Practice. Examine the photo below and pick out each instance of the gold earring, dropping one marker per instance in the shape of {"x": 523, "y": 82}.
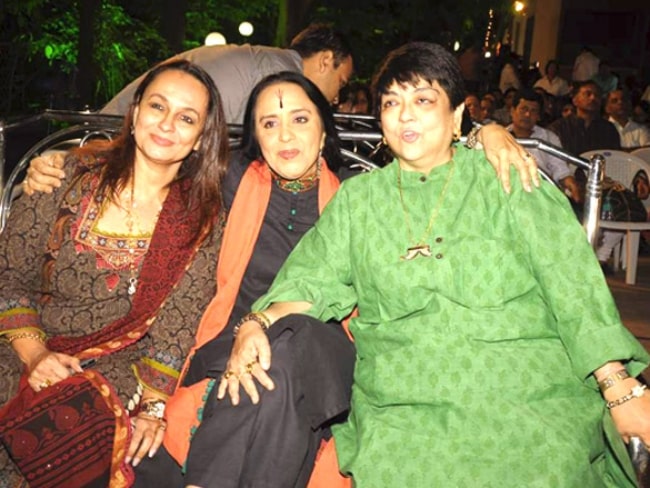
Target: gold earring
{"x": 455, "y": 136}
{"x": 384, "y": 141}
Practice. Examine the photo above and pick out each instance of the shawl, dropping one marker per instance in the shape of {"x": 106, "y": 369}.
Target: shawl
{"x": 41, "y": 428}
{"x": 240, "y": 235}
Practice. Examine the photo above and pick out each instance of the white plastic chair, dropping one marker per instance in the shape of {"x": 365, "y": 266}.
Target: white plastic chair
{"x": 622, "y": 166}
{"x": 642, "y": 153}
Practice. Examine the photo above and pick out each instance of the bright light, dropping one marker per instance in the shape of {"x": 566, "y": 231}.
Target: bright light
{"x": 245, "y": 29}
{"x": 519, "y": 6}
{"x": 215, "y": 39}
{"x": 456, "y": 46}
{"x": 488, "y": 54}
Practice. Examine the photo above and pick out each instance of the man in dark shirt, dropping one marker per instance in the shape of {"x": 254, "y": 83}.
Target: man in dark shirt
{"x": 587, "y": 130}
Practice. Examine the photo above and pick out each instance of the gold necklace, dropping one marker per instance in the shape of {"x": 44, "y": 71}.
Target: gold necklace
{"x": 132, "y": 242}
{"x": 301, "y": 184}
{"x": 421, "y": 248}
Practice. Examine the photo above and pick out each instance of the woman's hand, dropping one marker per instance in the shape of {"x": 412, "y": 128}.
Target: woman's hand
{"x": 632, "y": 418}
{"x": 148, "y": 434}
{"x": 250, "y": 358}
{"x": 47, "y": 368}
{"x": 44, "y": 173}
{"x": 502, "y": 151}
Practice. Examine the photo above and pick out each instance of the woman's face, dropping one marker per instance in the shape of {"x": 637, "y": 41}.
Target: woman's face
{"x": 168, "y": 121}
{"x": 418, "y": 124}
{"x": 289, "y": 130}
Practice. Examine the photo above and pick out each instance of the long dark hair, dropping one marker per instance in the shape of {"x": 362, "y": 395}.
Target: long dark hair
{"x": 205, "y": 167}
{"x": 331, "y": 148}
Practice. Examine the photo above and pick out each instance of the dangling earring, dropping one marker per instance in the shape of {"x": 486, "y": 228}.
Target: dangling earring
{"x": 384, "y": 141}
{"x": 132, "y": 130}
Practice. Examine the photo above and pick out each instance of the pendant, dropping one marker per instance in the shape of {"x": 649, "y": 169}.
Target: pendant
{"x": 413, "y": 252}
{"x": 132, "y": 283}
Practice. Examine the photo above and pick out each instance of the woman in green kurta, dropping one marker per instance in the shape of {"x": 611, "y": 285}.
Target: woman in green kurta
{"x": 485, "y": 326}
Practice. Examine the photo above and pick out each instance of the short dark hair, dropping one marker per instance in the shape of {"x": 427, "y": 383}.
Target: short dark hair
{"x": 578, "y": 85}
{"x": 549, "y": 63}
{"x": 331, "y": 149}
{"x": 321, "y": 37}
{"x": 420, "y": 60}
{"x": 529, "y": 95}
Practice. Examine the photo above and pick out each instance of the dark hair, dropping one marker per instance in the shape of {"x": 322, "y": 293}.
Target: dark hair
{"x": 640, "y": 176}
{"x": 549, "y": 63}
{"x": 331, "y": 149}
{"x": 419, "y": 60}
{"x": 321, "y": 37}
{"x": 350, "y": 93}
{"x": 578, "y": 85}
{"x": 530, "y": 95}
{"x": 205, "y": 167}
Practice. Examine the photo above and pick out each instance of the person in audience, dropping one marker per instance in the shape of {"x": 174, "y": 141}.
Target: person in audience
{"x": 354, "y": 99}
{"x": 605, "y": 79}
{"x": 585, "y": 65}
{"x": 632, "y": 134}
{"x": 526, "y": 110}
{"x": 502, "y": 115}
{"x": 471, "y": 346}
{"x": 551, "y": 82}
{"x": 487, "y": 109}
{"x": 103, "y": 284}
{"x": 586, "y": 130}
{"x": 473, "y": 106}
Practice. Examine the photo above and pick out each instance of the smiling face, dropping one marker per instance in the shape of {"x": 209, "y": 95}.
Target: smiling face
{"x": 418, "y": 123}
{"x": 289, "y": 130}
{"x": 169, "y": 120}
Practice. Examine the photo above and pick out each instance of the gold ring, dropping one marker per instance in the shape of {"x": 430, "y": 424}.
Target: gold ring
{"x": 163, "y": 426}
{"x": 44, "y": 384}
{"x": 250, "y": 366}
{"x": 228, "y": 374}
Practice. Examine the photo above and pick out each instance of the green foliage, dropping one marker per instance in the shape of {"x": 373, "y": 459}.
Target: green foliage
{"x": 205, "y": 16}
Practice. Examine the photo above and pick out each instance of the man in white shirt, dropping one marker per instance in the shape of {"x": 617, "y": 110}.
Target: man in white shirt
{"x": 585, "y": 65}
{"x": 551, "y": 82}
{"x": 617, "y": 107}
{"x": 526, "y": 111}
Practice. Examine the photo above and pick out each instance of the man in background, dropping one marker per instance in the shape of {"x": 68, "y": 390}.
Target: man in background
{"x": 319, "y": 52}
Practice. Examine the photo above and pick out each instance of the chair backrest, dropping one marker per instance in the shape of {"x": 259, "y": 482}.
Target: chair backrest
{"x": 642, "y": 153}
{"x": 622, "y": 167}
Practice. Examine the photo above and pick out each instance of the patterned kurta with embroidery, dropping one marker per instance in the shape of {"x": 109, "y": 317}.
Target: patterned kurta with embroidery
{"x": 85, "y": 294}
{"x": 473, "y": 365}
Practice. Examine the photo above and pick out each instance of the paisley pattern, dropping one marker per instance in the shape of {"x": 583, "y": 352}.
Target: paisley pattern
{"x": 77, "y": 300}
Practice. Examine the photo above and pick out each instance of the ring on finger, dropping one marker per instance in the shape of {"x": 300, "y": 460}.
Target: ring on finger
{"x": 162, "y": 426}
{"x": 228, "y": 374}
{"x": 249, "y": 367}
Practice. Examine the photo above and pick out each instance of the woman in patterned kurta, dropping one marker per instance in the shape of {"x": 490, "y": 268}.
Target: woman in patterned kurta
{"x": 479, "y": 340}
{"x": 73, "y": 290}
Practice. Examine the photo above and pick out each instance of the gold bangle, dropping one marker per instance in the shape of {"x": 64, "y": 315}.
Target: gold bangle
{"x": 259, "y": 317}
{"x": 26, "y": 335}
{"x": 154, "y": 409}
{"x": 612, "y": 379}
{"x": 636, "y": 392}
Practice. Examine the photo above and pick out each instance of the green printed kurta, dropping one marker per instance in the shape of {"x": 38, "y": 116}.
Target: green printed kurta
{"x": 473, "y": 365}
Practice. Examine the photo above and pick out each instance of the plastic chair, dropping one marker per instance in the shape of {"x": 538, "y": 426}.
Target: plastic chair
{"x": 622, "y": 167}
{"x": 642, "y": 153}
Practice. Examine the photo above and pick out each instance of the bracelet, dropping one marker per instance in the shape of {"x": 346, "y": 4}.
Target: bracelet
{"x": 612, "y": 379}
{"x": 153, "y": 408}
{"x": 26, "y": 335}
{"x": 472, "y": 138}
{"x": 636, "y": 392}
{"x": 259, "y": 317}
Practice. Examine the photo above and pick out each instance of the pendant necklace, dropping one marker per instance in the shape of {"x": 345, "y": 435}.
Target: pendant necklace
{"x": 421, "y": 248}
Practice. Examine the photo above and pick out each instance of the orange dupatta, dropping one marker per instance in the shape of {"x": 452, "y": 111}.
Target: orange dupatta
{"x": 240, "y": 235}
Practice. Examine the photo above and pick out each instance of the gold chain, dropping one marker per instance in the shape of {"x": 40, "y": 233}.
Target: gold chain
{"x": 436, "y": 210}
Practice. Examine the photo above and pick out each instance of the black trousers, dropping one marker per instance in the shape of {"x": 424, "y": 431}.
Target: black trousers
{"x": 272, "y": 444}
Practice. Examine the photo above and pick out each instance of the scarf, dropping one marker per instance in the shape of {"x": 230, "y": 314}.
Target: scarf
{"x": 239, "y": 239}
